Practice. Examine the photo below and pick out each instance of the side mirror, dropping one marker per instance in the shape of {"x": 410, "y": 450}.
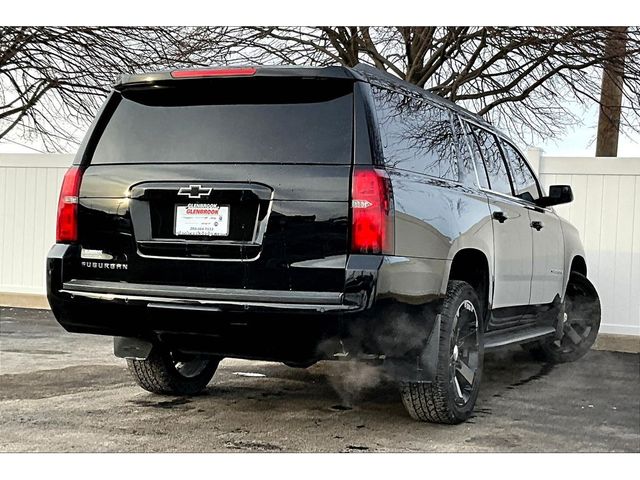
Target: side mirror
{"x": 558, "y": 194}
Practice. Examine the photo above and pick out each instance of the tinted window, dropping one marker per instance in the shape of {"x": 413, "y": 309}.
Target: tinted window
{"x": 416, "y": 135}
{"x": 234, "y": 121}
{"x": 482, "y": 171}
{"x": 496, "y": 168}
{"x": 523, "y": 180}
{"x": 465, "y": 156}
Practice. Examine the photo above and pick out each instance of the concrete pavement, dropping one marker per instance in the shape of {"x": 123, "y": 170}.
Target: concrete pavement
{"x": 64, "y": 392}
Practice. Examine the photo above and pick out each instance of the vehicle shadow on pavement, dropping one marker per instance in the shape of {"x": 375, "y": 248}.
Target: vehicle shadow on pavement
{"x": 343, "y": 386}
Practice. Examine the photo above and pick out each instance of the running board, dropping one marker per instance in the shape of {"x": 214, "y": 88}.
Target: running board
{"x": 500, "y": 339}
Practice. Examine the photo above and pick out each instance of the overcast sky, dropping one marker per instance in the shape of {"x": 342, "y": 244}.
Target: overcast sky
{"x": 581, "y": 141}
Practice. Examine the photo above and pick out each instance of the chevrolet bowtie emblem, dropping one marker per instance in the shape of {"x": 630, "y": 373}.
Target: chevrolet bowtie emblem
{"x": 194, "y": 191}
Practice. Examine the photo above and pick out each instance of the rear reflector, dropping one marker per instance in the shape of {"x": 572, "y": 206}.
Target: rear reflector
{"x": 214, "y": 72}
{"x": 67, "y": 224}
{"x": 371, "y": 211}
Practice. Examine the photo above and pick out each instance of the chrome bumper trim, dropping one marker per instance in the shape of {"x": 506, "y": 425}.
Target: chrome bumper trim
{"x": 169, "y": 302}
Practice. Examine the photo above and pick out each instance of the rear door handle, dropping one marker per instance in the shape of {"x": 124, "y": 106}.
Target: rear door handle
{"x": 537, "y": 224}
{"x": 499, "y": 216}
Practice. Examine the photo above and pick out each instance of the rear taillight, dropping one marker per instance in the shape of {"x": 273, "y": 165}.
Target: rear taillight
{"x": 371, "y": 211}
{"x": 67, "y": 225}
{"x": 214, "y": 72}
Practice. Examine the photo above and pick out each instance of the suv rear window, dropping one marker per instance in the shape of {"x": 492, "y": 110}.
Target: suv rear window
{"x": 230, "y": 121}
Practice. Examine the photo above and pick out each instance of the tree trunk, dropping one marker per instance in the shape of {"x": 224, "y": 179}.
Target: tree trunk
{"x": 611, "y": 94}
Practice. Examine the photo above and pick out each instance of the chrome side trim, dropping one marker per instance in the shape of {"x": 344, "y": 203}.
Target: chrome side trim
{"x": 199, "y": 259}
{"x": 515, "y": 200}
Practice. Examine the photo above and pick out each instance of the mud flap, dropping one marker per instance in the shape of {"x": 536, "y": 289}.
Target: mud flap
{"x": 422, "y": 367}
{"x": 133, "y": 348}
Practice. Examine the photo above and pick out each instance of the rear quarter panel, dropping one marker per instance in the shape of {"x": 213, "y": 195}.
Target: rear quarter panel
{"x": 435, "y": 219}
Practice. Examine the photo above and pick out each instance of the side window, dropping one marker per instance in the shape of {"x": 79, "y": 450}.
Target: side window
{"x": 416, "y": 135}
{"x": 464, "y": 156}
{"x": 523, "y": 180}
{"x": 496, "y": 168}
{"x": 476, "y": 155}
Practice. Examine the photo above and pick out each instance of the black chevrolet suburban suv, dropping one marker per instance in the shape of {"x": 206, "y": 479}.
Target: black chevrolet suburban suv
{"x": 298, "y": 214}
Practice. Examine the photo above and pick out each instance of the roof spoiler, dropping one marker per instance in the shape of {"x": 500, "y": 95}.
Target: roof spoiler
{"x": 180, "y": 75}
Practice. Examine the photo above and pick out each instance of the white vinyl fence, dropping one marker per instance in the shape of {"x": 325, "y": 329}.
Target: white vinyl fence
{"x": 29, "y": 189}
{"x": 606, "y": 210}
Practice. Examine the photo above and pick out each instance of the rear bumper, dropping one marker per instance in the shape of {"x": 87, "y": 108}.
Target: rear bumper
{"x": 211, "y": 299}
{"x": 381, "y": 312}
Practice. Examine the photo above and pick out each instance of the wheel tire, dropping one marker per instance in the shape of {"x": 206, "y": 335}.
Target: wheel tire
{"x": 161, "y": 373}
{"x": 449, "y": 398}
{"x": 581, "y": 324}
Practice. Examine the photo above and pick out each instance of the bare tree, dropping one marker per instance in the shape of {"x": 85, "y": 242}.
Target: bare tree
{"x": 526, "y": 79}
{"x": 52, "y": 79}
{"x": 611, "y": 93}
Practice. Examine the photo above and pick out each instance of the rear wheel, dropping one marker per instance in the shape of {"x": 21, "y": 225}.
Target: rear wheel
{"x": 580, "y": 327}
{"x": 168, "y": 373}
{"x": 450, "y": 398}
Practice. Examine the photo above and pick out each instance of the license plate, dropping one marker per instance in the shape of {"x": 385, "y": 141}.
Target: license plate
{"x": 202, "y": 219}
